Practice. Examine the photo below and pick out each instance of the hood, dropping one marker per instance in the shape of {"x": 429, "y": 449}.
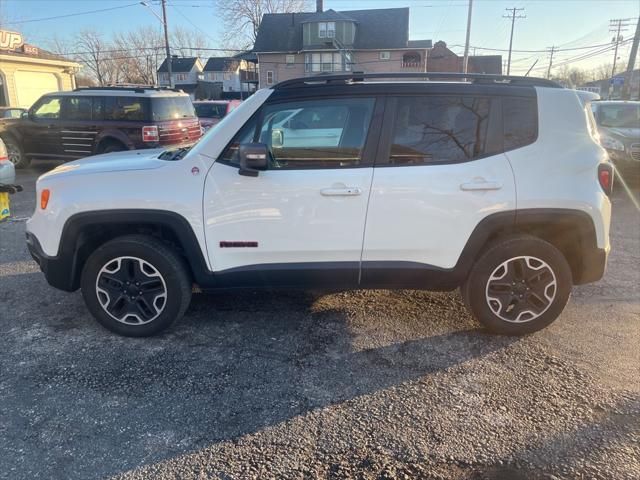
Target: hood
{"x": 111, "y": 162}
{"x": 622, "y": 132}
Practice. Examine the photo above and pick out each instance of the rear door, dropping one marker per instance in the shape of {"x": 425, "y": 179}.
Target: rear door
{"x": 79, "y": 129}
{"x": 440, "y": 171}
{"x": 301, "y": 221}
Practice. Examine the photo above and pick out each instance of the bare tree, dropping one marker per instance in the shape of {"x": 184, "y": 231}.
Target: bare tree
{"x": 142, "y": 53}
{"x": 187, "y": 43}
{"x": 96, "y": 55}
{"x": 242, "y": 18}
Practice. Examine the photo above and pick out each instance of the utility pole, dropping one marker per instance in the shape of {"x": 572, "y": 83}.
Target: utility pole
{"x": 166, "y": 41}
{"x": 551, "y": 52}
{"x": 617, "y": 26}
{"x": 465, "y": 61}
{"x": 626, "y": 88}
{"x": 163, "y": 20}
{"x": 512, "y": 15}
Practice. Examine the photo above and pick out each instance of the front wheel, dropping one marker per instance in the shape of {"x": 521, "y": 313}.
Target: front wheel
{"x": 15, "y": 153}
{"x": 519, "y": 285}
{"x": 136, "y": 286}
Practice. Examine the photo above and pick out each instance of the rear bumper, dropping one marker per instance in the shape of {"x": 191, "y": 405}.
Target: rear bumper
{"x": 594, "y": 264}
{"x": 58, "y": 272}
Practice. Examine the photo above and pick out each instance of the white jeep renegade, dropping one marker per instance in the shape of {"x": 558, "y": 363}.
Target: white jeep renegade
{"x": 497, "y": 185}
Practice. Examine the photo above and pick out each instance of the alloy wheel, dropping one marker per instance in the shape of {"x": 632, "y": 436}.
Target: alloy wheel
{"x": 131, "y": 290}
{"x": 521, "y": 289}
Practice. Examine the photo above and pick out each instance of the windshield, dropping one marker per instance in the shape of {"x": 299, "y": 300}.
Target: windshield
{"x": 172, "y": 108}
{"x": 624, "y": 115}
{"x": 211, "y": 110}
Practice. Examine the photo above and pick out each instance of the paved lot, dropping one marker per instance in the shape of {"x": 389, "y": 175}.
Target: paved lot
{"x": 366, "y": 384}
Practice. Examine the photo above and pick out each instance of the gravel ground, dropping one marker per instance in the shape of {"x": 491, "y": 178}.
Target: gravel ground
{"x": 364, "y": 384}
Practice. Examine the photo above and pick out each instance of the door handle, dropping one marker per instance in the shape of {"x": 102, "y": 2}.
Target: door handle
{"x": 481, "y": 185}
{"x": 341, "y": 192}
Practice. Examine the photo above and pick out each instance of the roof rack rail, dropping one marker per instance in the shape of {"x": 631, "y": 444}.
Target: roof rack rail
{"x": 356, "y": 77}
{"x": 135, "y": 88}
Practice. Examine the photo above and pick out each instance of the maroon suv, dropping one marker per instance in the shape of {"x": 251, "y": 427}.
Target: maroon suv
{"x": 87, "y": 121}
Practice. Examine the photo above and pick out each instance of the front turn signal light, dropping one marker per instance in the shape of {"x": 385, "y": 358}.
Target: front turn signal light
{"x": 44, "y": 198}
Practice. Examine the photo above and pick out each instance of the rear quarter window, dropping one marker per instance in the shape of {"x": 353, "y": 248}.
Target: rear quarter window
{"x": 172, "y": 108}
{"x": 132, "y": 109}
{"x": 520, "y": 117}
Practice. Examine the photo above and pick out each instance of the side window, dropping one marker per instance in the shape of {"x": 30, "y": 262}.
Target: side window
{"x": 520, "y": 117}
{"x": 49, "y": 108}
{"x": 439, "y": 129}
{"x": 124, "y": 108}
{"x": 327, "y": 133}
{"x": 78, "y": 108}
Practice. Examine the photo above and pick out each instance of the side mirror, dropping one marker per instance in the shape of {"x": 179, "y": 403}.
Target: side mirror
{"x": 253, "y": 158}
{"x": 277, "y": 138}
{"x": 24, "y": 115}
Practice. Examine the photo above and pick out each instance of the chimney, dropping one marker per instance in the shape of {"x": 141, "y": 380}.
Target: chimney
{"x": 318, "y": 6}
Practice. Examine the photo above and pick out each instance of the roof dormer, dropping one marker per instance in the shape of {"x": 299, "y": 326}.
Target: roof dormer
{"x": 324, "y": 28}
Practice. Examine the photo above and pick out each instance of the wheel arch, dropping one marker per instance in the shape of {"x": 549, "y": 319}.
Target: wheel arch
{"x": 112, "y": 136}
{"x": 86, "y": 231}
{"x": 571, "y": 231}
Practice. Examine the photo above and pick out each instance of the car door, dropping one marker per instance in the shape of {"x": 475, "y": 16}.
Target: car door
{"x": 79, "y": 129}
{"x": 440, "y": 171}
{"x": 301, "y": 221}
{"x": 41, "y": 130}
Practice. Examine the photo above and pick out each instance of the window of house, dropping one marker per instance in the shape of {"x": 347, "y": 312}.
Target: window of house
{"x": 269, "y": 77}
{"x": 322, "y": 30}
{"x": 385, "y": 55}
{"x": 48, "y": 108}
{"x": 331, "y": 29}
{"x": 290, "y": 59}
{"x": 227, "y": 76}
{"x": 520, "y": 119}
{"x": 347, "y": 62}
{"x": 124, "y": 108}
{"x": 78, "y": 108}
{"x": 411, "y": 60}
{"x": 327, "y": 133}
{"x": 439, "y": 129}
{"x": 181, "y": 77}
{"x": 327, "y": 62}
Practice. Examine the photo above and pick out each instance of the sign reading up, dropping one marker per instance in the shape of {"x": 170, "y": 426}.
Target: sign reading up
{"x": 10, "y": 40}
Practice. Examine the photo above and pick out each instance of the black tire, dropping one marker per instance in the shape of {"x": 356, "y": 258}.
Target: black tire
{"x": 113, "y": 147}
{"x": 164, "y": 269}
{"x": 528, "y": 307}
{"x": 16, "y": 153}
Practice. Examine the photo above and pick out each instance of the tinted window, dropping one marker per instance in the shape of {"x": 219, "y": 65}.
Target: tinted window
{"x": 48, "y": 108}
{"x": 211, "y": 110}
{"x": 520, "y": 116}
{"x": 325, "y": 133}
{"x": 78, "y": 108}
{"x": 125, "y": 108}
{"x": 171, "y": 108}
{"x": 439, "y": 129}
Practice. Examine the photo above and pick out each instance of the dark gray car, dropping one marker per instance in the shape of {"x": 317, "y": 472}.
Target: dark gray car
{"x": 619, "y": 128}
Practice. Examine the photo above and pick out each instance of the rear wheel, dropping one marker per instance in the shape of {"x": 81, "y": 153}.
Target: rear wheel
{"x": 136, "y": 286}
{"x": 15, "y": 153}
{"x": 113, "y": 147}
{"x": 519, "y": 285}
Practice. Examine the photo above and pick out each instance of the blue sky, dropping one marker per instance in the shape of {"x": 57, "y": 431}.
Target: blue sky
{"x": 567, "y": 23}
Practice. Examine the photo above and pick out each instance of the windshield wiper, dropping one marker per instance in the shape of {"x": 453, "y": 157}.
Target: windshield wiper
{"x": 176, "y": 154}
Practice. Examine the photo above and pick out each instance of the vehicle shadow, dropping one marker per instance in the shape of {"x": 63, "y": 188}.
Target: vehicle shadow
{"x": 239, "y": 363}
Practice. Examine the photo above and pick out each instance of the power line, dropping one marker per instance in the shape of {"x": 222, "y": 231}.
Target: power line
{"x": 513, "y": 15}
{"x": 19, "y": 22}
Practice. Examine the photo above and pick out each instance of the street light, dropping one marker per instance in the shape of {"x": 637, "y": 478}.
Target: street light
{"x": 163, "y": 20}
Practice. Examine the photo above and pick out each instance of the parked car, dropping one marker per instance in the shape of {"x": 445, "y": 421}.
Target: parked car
{"x": 619, "y": 128}
{"x": 11, "y": 112}
{"x": 496, "y": 185}
{"x": 87, "y": 121}
{"x": 210, "y": 112}
{"x": 7, "y": 170}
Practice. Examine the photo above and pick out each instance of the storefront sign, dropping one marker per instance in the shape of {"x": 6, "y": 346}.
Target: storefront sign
{"x": 10, "y": 40}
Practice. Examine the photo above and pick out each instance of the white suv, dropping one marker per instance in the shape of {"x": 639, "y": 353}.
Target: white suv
{"x": 497, "y": 185}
